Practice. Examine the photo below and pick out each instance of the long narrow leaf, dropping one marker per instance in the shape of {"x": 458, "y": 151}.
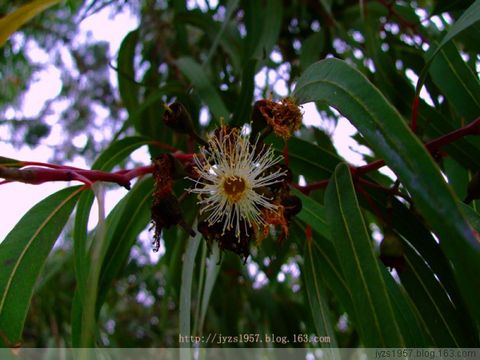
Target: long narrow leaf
{"x": 186, "y": 290}
{"x": 23, "y": 254}
{"x": 375, "y": 313}
{"x": 13, "y": 21}
{"x": 199, "y": 79}
{"x": 317, "y": 296}
{"x": 354, "y": 96}
{"x": 468, "y": 18}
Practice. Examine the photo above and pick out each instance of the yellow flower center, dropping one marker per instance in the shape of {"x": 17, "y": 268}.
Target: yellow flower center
{"x": 234, "y": 188}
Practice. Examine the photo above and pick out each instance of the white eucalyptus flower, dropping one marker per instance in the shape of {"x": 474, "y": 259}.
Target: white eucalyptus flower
{"x": 230, "y": 173}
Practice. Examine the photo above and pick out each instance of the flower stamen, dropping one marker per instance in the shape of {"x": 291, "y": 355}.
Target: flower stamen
{"x": 234, "y": 188}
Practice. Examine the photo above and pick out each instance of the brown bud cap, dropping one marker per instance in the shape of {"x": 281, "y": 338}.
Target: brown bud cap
{"x": 227, "y": 240}
{"x": 283, "y": 117}
{"x": 177, "y": 117}
{"x": 292, "y": 205}
{"x": 166, "y": 212}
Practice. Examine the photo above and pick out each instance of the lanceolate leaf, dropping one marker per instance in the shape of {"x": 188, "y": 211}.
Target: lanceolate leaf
{"x": 186, "y": 289}
{"x": 317, "y": 296}
{"x": 126, "y": 72}
{"x": 377, "y": 324}
{"x": 13, "y": 21}
{"x": 303, "y": 158}
{"x": 458, "y": 82}
{"x": 124, "y": 224}
{"x": 200, "y": 81}
{"x": 314, "y": 214}
{"x": 7, "y": 162}
{"x": 341, "y": 86}
{"x": 113, "y": 155}
{"x": 23, "y": 254}
{"x": 432, "y": 303}
{"x": 329, "y": 271}
{"x": 468, "y": 18}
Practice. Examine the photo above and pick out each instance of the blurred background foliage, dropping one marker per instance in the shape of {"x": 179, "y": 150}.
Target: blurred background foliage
{"x": 217, "y": 58}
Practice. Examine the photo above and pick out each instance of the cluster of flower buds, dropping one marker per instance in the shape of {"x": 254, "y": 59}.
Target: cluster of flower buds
{"x": 166, "y": 210}
{"x": 283, "y": 118}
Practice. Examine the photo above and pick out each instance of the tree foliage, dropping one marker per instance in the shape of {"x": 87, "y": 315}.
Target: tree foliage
{"x": 370, "y": 260}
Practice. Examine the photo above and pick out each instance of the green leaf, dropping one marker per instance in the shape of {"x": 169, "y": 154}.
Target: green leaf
{"x": 468, "y": 18}
{"x": 263, "y": 22}
{"x": 129, "y": 217}
{"x": 224, "y": 34}
{"x": 13, "y": 21}
{"x": 213, "y": 269}
{"x": 200, "y": 81}
{"x": 307, "y": 159}
{"x": 23, "y": 254}
{"x": 136, "y": 118}
{"x": 8, "y": 162}
{"x": 126, "y": 73}
{"x": 186, "y": 289}
{"x": 432, "y": 302}
{"x": 317, "y": 296}
{"x": 97, "y": 254}
{"x": 377, "y": 324}
{"x": 232, "y": 6}
{"x": 244, "y": 107}
{"x": 110, "y": 157}
{"x": 350, "y": 92}
{"x": 457, "y": 81}
{"x": 328, "y": 271}
{"x": 313, "y": 213}
{"x": 472, "y": 216}
{"x": 311, "y": 49}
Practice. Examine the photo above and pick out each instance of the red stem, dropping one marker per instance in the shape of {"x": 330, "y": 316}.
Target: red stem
{"x": 53, "y": 172}
{"x": 34, "y": 174}
{"x": 432, "y": 146}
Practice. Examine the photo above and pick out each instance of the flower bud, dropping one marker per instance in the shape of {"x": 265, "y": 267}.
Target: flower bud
{"x": 292, "y": 205}
{"x": 392, "y": 252}
{"x": 177, "y": 118}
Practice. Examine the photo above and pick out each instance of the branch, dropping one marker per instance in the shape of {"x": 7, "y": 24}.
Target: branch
{"x": 36, "y": 173}
{"x": 432, "y": 146}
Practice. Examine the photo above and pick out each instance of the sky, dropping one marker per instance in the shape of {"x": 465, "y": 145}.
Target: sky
{"x": 18, "y": 198}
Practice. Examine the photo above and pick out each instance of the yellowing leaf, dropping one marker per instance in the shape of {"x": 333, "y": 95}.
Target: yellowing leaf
{"x": 13, "y": 21}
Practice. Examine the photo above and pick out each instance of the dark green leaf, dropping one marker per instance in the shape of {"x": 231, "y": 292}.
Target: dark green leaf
{"x": 457, "y": 82}
{"x": 263, "y": 22}
{"x": 244, "y": 107}
{"x": 432, "y": 303}
{"x": 350, "y": 92}
{"x": 377, "y": 324}
{"x": 317, "y": 296}
{"x": 7, "y": 162}
{"x": 200, "y": 81}
{"x": 125, "y": 222}
{"x": 468, "y": 18}
{"x": 23, "y": 254}
{"x": 126, "y": 72}
{"x": 307, "y": 159}
{"x": 112, "y": 156}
